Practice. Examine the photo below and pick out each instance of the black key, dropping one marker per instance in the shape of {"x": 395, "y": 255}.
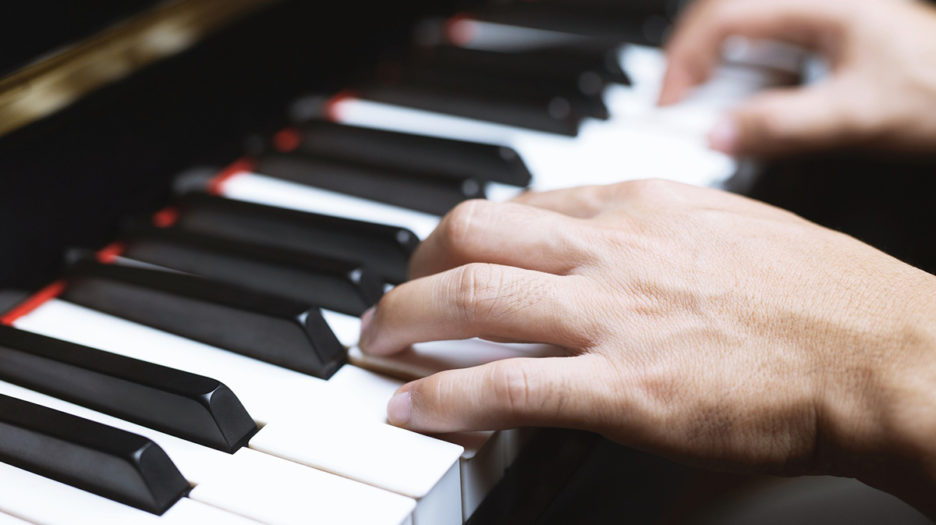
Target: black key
{"x": 617, "y": 25}
{"x": 520, "y": 67}
{"x": 505, "y": 87}
{"x": 426, "y": 193}
{"x": 616, "y": 8}
{"x": 328, "y": 282}
{"x": 384, "y": 249}
{"x": 418, "y": 153}
{"x": 274, "y": 329}
{"x": 185, "y": 405}
{"x": 106, "y": 461}
{"x": 552, "y": 115}
{"x": 587, "y": 67}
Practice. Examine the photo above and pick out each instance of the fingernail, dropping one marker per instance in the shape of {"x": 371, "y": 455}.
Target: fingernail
{"x": 399, "y": 409}
{"x": 366, "y": 322}
{"x": 724, "y": 136}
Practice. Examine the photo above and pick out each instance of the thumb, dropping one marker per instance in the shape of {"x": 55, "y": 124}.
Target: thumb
{"x": 786, "y": 121}
{"x": 554, "y": 391}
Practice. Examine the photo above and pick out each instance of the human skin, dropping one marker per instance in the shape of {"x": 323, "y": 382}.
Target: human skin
{"x": 700, "y": 325}
{"x": 880, "y": 92}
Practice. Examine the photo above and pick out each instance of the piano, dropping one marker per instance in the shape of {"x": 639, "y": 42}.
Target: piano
{"x": 201, "y": 198}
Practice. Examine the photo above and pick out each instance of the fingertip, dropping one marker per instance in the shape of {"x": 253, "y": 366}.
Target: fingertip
{"x": 673, "y": 88}
{"x": 368, "y": 340}
{"x": 400, "y": 408}
{"x": 724, "y": 136}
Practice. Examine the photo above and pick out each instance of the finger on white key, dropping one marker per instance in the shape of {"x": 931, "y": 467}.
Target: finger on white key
{"x": 477, "y": 231}
{"x": 476, "y": 300}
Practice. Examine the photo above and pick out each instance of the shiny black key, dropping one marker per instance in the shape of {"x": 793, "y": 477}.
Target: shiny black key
{"x": 516, "y": 66}
{"x": 447, "y": 158}
{"x": 588, "y": 67}
{"x": 421, "y": 192}
{"x": 106, "y": 461}
{"x": 615, "y": 8}
{"x": 185, "y": 405}
{"x": 618, "y": 25}
{"x": 270, "y": 328}
{"x": 502, "y": 86}
{"x": 328, "y": 282}
{"x": 385, "y": 249}
{"x": 553, "y": 115}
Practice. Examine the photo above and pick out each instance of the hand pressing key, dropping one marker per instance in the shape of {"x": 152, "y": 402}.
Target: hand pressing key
{"x": 700, "y": 325}
{"x": 880, "y": 93}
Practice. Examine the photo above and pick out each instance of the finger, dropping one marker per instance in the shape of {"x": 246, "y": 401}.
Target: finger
{"x": 503, "y": 233}
{"x": 481, "y": 300}
{"x": 784, "y": 121}
{"x": 695, "y": 47}
{"x": 582, "y": 202}
{"x": 561, "y": 391}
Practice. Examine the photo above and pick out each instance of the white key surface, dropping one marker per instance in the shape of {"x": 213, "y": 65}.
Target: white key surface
{"x": 352, "y": 399}
{"x": 6, "y": 519}
{"x": 254, "y": 484}
{"x": 257, "y": 188}
{"x": 42, "y": 500}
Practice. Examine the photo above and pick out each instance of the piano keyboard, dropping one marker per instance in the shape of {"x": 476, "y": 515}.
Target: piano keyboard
{"x": 203, "y": 368}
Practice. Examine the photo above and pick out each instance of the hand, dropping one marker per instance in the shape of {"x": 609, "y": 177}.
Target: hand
{"x": 699, "y": 324}
{"x": 881, "y": 91}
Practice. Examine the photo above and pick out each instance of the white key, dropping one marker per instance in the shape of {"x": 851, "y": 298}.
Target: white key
{"x": 406, "y": 461}
{"x": 257, "y": 188}
{"x": 352, "y": 398}
{"x": 303, "y": 495}
{"x": 42, "y": 500}
{"x": 425, "y": 359}
{"x": 603, "y": 153}
{"x": 491, "y": 36}
{"x": 6, "y": 519}
{"x": 253, "y": 484}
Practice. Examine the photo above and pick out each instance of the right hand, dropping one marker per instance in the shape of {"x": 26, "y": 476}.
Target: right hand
{"x": 881, "y": 91}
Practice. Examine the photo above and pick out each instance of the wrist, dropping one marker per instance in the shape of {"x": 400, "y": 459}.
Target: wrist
{"x": 881, "y": 413}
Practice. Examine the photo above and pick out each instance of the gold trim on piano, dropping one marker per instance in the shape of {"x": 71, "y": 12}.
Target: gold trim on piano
{"x": 59, "y": 79}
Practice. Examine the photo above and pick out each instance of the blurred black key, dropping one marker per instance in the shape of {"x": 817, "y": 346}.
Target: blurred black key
{"x": 327, "y": 282}
{"x": 502, "y": 86}
{"x": 185, "y": 405}
{"x": 616, "y": 8}
{"x": 447, "y": 158}
{"x": 421, "y": 192}
{"x": 106, "y": 461}
{"x": 274, "y": 329}
{"x": 621, "y": 25}
{"x": 586, "y": 73}
{"x": 552, "y": 115}
{"x": 385, "y": 249}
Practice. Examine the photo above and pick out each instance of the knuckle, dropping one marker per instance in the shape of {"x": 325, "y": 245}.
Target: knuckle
{"x": 649, "y": 190}
{"x": 512, "y": 385}
{"x": 477, "y": 287}
{"x": 460, "y": 228}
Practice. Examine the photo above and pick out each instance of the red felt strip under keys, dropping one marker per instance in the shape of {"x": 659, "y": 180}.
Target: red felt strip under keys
{"x": 33, "y": 302}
